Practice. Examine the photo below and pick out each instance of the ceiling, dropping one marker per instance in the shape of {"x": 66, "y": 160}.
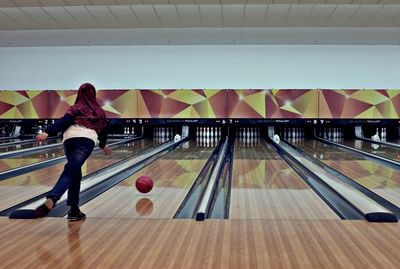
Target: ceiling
{"x": 198, "y": 15}
{"x": 39, "y": 3}
{"x": 64, "y": 22}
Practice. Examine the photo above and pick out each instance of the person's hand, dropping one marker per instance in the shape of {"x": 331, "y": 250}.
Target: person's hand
{"x": 42, "y": 137}
{"x": 107, "y": 150}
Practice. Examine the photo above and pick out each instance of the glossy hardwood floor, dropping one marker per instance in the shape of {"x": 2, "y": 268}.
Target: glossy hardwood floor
{"x": 161, "y": 243}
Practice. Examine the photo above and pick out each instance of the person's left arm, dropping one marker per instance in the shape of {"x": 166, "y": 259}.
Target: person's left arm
{"x": 103, "y": 140}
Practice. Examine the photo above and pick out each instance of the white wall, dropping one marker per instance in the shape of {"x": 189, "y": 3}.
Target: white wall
{"x": 216, "y": 66}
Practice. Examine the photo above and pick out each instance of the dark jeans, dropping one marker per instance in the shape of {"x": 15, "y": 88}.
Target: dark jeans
{"x": 77, "y": 150}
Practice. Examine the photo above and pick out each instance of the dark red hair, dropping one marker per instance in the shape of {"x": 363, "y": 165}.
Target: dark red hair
{"x": 86, "y": 111}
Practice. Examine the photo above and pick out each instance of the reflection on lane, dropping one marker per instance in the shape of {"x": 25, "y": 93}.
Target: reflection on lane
{"x": 383, "y": 180}
{"x": 377, "y": 149}
{"x": 22, "y": 160}
{"x": 35, "y": 157}
{"x": 173, "y": 175}
{"x": 18, "y": 189}
{"x": 29, "y": 145}
{"x": 266, "y": 187}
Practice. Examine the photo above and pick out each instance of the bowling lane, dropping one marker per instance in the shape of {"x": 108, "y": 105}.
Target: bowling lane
{"x": 381, "y": 179}
{"x": 266, "y": 187}
{"x": 18, "y": 189}
{"x": 35, "y": 157}
{"x": 377, "y": 149}
{"x": 29, "y": 145}
{"x": 173, "y": 175}
{"x": 22, "y": 160}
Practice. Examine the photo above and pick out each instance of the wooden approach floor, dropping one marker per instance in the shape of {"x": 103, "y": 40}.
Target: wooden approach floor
{"x": 161, "y": 243}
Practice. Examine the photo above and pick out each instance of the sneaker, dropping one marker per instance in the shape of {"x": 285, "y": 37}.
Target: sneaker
{"x": 74, "y": 216}
{"x": 43, "y": 210}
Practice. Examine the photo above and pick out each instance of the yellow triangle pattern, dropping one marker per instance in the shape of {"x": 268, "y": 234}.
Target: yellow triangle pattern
{"x": 257, "y": 102}
{"x": 159, "y": 92}
{"x": 33, "y": 94}
{"x": 13, "y": 113}
{"x": 13, "y": 98}
{"x": 370, "y": 97}
{"x": 187, "y": 97}
{"x": 210, "y": 93}
{"x": 185, "y": 114}
{"x": 307, "y": 104}
{"x": 389, "y": 111}
{"x": 275, "y": 91}
{"x": 290, "y": 108}
{"x": 342, "y": 92}
{"x": 109, "y": 108}
{"x": 29, "y": 110}
{"x": 70, "y": 100}
{"x": 371, "y": 113}
{"x": 210, "y": 112}
{"x": 393, "y": 93}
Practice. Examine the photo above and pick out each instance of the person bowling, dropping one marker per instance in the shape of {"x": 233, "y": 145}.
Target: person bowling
{"x": 82, "y": 125}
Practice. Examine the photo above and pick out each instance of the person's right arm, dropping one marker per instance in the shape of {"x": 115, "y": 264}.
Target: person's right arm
{"x": 59, "y": 126}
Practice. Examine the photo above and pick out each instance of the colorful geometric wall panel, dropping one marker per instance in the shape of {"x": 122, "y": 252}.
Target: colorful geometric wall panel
{"x": 246, "y": 104}
{"x": 60, "y": 101}
{"x": 292, "y": 104}
{"x": 359, "y": 104}
{"x": 24, "y": 104}
{"x": 184, "y": 104}
{"x": 116, "y": 103}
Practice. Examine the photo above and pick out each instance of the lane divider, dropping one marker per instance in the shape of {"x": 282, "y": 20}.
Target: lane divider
{"x": 371, "y": 210}
{"x": 211, "y": 184}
